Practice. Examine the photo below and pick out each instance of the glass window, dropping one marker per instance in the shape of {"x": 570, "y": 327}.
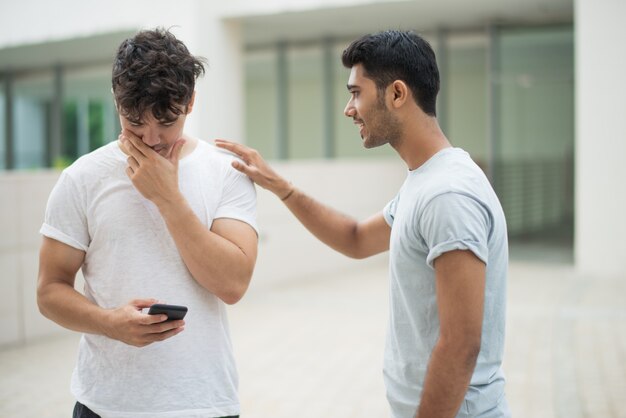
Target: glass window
{"x": 2, "y": 124}
{"x": 89, "y": 116}
{"x": 537, "y": 93}
{"x": 261, "y": 96}
{"x": 536, "y": 138}
{"x": 305, "y": 92}
{"x": 466, "y": 89}
{"x": 32, "y": 119}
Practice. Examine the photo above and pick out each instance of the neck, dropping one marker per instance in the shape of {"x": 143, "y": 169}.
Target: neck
{"x": 421, "y": 139}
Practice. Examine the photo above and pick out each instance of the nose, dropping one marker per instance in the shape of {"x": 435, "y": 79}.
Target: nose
{"x": 150, "y": 137}
{"x": 349, "y": 110}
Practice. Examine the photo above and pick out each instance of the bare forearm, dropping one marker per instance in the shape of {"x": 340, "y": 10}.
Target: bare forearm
{"x": 216, "y": 263}
{"x": 333, "y": 228}
{"x": 448, "y": 377}
{"x": 70, "y": 309}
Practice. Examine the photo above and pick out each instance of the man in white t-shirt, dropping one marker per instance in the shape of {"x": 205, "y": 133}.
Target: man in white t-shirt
{"x": 445, "y": 231}
{"x": 156, "y": 216}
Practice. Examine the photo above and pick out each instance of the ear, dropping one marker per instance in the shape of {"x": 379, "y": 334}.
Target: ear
{"x": 190, "y": 104}
{"x": 400, "y": 93}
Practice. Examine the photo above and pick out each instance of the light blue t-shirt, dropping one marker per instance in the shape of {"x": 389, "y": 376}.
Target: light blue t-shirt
{"x": 444, "y": 205}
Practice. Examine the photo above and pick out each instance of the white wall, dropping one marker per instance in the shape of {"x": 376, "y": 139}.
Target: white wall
{"x": 21, "y": 214}
{"x": 600, "y": 137}
{"x": 286, "y": 250}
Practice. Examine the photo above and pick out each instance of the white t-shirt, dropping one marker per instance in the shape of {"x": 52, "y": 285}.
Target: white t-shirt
{"x": 130, "y": 254}
{"x": 444, "y": 205}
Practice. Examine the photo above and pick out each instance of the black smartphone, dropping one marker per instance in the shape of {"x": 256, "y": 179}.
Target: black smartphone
{"x": 172, "y": 311}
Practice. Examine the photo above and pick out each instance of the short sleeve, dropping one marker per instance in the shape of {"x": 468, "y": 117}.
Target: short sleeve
{"x": 389, "y": 212}
{"x": 238, "y": 199}
{"x": 65, "y": 218}
{"x": 454, "y": 221}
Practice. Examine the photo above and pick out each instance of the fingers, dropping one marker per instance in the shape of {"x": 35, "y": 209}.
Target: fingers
{"x": 233, "y": 147}
{"x": 176, "y": 150}
{"x": 168, "y": 334}
{"x": 152, "y": 337}
{"x": 241, "y": 166}
{"x": 131, "y": 148}
{"x": 132, "y": 163}
{"x": 240, "y": 150}
{"x": 143, "y": 303}
{"x": 134, "y": 145}
{"x": 251, "y": 157}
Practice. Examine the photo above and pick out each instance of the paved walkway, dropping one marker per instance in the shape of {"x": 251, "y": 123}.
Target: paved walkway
{"x": 314, "y": 349}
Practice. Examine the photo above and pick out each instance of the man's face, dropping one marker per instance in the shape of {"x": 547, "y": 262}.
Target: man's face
{"x": 377, "y": 124}
{"x": 160, "y": 135}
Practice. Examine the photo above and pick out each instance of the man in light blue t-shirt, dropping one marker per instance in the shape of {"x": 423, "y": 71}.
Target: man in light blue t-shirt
{"x": 445, "y": 231}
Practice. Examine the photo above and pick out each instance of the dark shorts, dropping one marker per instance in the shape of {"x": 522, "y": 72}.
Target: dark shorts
{"x": 81, "y": 411}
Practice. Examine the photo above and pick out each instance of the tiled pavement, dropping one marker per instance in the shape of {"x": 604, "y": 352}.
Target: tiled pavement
{"x": 313, "y": 348}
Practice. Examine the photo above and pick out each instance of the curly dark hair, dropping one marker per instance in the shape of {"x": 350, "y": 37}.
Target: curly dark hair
{"x": 398, "y": 55}
{"x": 154, "y": 71}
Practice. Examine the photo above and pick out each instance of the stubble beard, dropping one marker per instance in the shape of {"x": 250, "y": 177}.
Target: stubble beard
{"x": 385, "y": 128}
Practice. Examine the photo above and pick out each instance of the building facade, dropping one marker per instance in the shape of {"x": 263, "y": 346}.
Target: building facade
{"x": 532, "y": 89}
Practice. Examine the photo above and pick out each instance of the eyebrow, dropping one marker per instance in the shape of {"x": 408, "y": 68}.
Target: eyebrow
{"x": 351, "y": 86}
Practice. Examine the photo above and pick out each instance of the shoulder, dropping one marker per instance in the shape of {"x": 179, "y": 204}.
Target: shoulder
{"x": 218, "y": 156}
{"x": 107, "y": 156}
{"x": 453, "y": 172}
{"x": 98, "y": 166}
{"x": 217, "y": 162}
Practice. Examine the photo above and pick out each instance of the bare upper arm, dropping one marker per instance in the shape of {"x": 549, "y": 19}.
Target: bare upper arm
{"x": 372, "y": 236}
{"x": 240, "y": 234}
{"x": 58, "y": 262}
{"x": 460, "y": 284}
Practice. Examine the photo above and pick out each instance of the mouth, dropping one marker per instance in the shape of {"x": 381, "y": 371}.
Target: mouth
{"x": 160, "y": 149}
{"x": 361, "y": 126}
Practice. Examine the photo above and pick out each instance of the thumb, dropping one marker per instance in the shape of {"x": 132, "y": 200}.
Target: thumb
{"x": 240, "y": 166}
{"x": 143, "y": 303}
{"x": 176, "y": 150}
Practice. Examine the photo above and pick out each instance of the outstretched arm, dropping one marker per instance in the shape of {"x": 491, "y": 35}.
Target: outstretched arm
{"x": 221, "y": 259}
{"x": 340, "y": 232}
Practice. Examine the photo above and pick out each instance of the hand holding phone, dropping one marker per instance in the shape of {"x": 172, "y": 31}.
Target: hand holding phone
{"x": 173, "y": 312}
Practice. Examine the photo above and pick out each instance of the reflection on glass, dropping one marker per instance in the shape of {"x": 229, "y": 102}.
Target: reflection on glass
{"x": 261, "y": 108}
{"x": 88, "y": 112}
{"x": 3, "y": 127}
{"x": 32, "y": 102}
{"x": 305, "y": 97}
{"x": 536, "y": 138}
{"x": 467, "y": 95}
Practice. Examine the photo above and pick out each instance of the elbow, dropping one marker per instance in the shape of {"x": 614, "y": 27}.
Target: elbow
{"x": 358, "y": 255}
{"x": 354, "y": 251}
{"x": 473, "y": 350}
{"x": 465, "y": 350}
{"x": 236, "y": 292}
{"x": 470, "y": 352}
{"x": 230, "y": 298}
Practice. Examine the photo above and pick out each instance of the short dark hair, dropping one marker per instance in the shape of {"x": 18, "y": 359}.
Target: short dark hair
{"x": 154, "y": 71}
{"x": 398, "y": 55}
